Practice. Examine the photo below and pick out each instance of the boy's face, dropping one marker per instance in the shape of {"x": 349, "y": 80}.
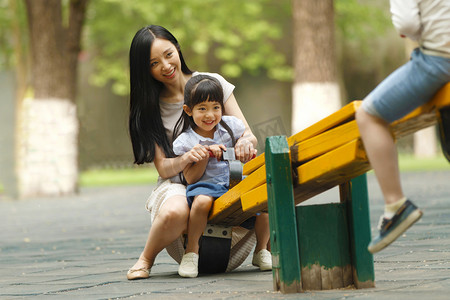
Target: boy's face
{"x": 206, "y": 116}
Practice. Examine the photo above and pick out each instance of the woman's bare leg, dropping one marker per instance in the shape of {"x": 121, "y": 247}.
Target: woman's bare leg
{"x": 167, "y": 226}
{"x": 382, "y": 153}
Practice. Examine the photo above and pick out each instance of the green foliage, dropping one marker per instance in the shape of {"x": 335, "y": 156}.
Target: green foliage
{"x": 359, "y": 23}
{"x": 230, "y": 37}
{"x": 239, "y": 35}
{"x": 13, "y": 24}
{"x": 6, "y": 47}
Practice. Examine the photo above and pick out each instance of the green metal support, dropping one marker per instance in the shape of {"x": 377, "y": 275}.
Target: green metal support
{"x": 324, "y": 246}
{"x": 283, "y": 228}
{"x": 359, "y": 227}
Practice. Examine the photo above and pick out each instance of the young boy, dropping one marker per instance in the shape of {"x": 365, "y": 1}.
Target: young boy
{"x": 410, "y": 86}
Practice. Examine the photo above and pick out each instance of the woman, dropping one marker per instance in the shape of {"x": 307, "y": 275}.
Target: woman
{"x": 158, "y": 74}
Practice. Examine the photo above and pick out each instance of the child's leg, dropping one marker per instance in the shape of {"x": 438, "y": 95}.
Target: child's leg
{"x": 197, "y": 223}
{"x": 262, "y": 232}
{"x": 399, "y": 214}
{"x": 408, "y": 87}
{"x": 382, "y": 153}
{"x": 198, "y": 218}
{"x": 168, "y": 225}
{"x": 262, "y": 257}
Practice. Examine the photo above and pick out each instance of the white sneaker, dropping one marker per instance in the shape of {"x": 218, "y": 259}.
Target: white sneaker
{"x": 263, "y": 260}
{"x": 189, "y": 265}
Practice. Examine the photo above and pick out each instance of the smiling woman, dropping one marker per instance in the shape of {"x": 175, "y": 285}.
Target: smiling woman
{"x": 158, "y": 75}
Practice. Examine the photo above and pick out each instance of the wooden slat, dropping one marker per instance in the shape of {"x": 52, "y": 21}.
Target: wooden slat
{"x": 255, "y": 200}
{"x": 229, "y": 203}
{"x": 313, "y": 176}
{"x": 343, "y": 115}
{"x": 330, "y": 169}
{"x": 324, "y": 142}
{"x": 254, "y": 164}
{"x": 346, "y": 113}
{"x": 423, "y": 116}
{"x": 443, "y": 93}
{"x": 318, "y": 175}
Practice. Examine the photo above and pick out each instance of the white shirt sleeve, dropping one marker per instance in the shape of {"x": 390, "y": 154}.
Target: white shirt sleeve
{"x": 179, "y": 145}
{"x": 236, "y": 125}
{"x": 406, "y": 18}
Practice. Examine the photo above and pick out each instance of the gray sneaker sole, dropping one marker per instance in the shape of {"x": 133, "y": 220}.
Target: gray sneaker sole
{"x": 395, "y": 233}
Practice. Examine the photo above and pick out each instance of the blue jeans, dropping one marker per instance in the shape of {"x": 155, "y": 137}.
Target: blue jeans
{"x": 408, "y": 87}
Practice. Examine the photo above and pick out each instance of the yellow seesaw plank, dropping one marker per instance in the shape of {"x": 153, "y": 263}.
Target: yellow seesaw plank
{"x": 316, "y": 176}
{"x": 229, "y": 203}
{"x": 343, "y": 115}
{"x": 418, "y": 119}
{"x": 341, "y": 164}
{"x": 324, "y": 142}
{"x": 255, "y": 200}
{"x": 423, "y": 116}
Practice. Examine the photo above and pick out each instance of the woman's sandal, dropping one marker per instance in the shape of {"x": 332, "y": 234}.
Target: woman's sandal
{"x": 141, "y": 273}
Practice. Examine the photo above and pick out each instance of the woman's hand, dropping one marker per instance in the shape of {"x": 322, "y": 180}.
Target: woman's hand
{"x": 244, "y": 148}
{"x": 197, "y": 153}
{"x": 217, "y": 150}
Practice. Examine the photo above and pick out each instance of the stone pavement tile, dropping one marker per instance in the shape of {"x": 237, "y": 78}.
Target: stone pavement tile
{"x": 82, "y": 246}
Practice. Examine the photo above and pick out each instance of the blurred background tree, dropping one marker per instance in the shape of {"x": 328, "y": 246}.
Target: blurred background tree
{"x": 315, "y": 90}
{"x": 249, "y": 42}
{"x": 231, "y": 37}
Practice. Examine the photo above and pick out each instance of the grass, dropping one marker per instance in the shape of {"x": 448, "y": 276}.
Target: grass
{"x": 408, "y": 162}
{"x": 110, "y": 177}
{"x": 149, "y": 175}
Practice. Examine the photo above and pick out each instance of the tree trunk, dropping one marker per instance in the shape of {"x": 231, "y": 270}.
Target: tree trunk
{"x": 22, "y": 69}
{"x": 48, "y": 156}
{"x": 425, "y": 143}
{"x": 316, "y": 90}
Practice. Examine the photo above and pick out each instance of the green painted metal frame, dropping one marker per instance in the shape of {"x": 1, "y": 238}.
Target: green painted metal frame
{"x": 358, "y": 212}
{"x": 323, "y": 229}
{"x": 283, "y": 221}
{"x": 283, "y": 229}
{"x": 324, "y": 246}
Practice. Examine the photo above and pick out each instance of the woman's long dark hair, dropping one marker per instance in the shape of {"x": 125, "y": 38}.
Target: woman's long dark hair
{"x": 199, "y": 89}
{"x": 145, "y": 123}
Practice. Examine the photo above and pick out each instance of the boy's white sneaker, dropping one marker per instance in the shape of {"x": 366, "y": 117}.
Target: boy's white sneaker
{"x": 189, "y": 265}
{"x": 263, "y": 260}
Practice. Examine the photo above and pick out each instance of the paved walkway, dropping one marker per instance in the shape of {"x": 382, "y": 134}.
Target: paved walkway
{"x": 81, "y": 247}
